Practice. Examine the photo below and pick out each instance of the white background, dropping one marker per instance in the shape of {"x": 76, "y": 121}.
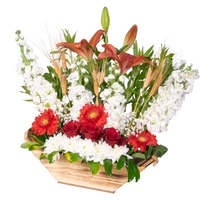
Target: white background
{"x": 174, "y": 22}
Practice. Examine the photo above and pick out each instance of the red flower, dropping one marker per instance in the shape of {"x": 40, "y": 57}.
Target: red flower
{"x": 94, "y": 114}
{"x": 125, "y": 60}
{"x": 142, "y": 140}
{"x": 82, "y": 48}
{"x": 90, "y": 131}
{"x": 46, "y": 122}
{"x": 111, "y": 136}
{"x": 71, "y": 129}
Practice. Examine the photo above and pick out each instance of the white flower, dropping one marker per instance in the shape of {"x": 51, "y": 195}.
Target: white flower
{"x": 86, "y": 148}
{"x": 73, "y": 77}
{"x": 53, "y": 144}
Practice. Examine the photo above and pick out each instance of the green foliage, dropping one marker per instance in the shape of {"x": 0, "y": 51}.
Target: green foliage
{"x": 139, "y": 155}
{"x": 68, "y": 37}
{"x": 51, "y": 155}
{"x": 94, "y": 167}
{"x": 149, "y": 151}
{"x": 160, "y": 150}
{"x": 43, "y": 156}
{"x": 52, "y": 78}
{"x": 39, "y": 138}
{"x": 121, "y": 162}
{"x": 31, "y": 146}
{"x": 108, "y": 166}
{"x": 72, "y": 157}
{"x": 133, "y": 171}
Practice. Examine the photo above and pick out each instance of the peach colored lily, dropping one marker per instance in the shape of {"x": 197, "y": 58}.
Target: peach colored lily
{"x": 125, "y": 60}
{"x": 82, "y": 48}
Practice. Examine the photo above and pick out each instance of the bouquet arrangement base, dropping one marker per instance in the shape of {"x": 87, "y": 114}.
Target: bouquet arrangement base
{"x": 101, "y": 110}
{"x": 79, "y": 174}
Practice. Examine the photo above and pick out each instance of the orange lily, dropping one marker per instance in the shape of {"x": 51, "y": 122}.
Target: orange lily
{"x": 130, "y": 37}
{"x": 125, "y": 60}
{"x": 82, "y": 48}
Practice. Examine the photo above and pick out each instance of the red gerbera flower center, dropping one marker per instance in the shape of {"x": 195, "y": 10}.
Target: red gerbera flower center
{"x": 45, "y": 121}
{"x": 93, "y": 113}
{"x": 142, "y": 139}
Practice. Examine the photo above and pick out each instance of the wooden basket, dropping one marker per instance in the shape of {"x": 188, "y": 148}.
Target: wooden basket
{"x": 79, "y": 174}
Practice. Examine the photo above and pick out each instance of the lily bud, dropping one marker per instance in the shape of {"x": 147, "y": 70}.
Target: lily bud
{"x": 105, "y": 19}
{"x": 130, "y": 37}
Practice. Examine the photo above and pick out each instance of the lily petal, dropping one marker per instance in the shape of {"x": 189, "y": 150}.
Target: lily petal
{"x": 110, "y": 52}
{"x": 96, "y": 38}
{"x": 82, "y": 48}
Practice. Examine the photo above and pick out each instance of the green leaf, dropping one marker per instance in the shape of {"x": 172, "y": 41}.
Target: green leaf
{"x": 51, "y": 155}
{"x": 121, "y": 162}
{"x": 43, "y": 155}
{"x": 39, "y": 138}
{"x": 160, "y": 150}
{"x": 27, "y": 145}
{"x": 139, "y": 155}
{"x": 133, "y": 171}
{"x": 149, "y": 52}
{"x": 130, "y": 168}
{"x": 149, "y": 151}
{"x": 94, "y": 167}
{"x": 52, "y": 78}
{"x": 31, "y": 146}
{"x": 35, "y": 146}
{"x": 108, "y": 167}
{"x": 27, "y": 91}
{"x": 137, "y": 172}
{"x": 72, "y": 157}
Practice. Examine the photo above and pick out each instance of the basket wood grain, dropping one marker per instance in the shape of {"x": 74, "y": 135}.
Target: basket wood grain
{"x": 79, "y": 174}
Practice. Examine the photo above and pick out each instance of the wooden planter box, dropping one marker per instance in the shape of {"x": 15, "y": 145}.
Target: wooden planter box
{"x": 79, "y": 174}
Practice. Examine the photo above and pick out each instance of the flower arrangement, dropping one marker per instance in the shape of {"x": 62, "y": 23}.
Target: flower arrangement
{"x": 104, "y": 107}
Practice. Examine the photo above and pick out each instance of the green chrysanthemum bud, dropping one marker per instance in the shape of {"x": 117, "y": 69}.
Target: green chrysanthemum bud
{"x": 105, "y": 19}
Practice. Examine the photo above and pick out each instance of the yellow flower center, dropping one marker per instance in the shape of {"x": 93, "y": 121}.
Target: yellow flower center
{"x": 142, "y": 139}
{"x": 93, "y": 114}
{"x": 45, "y": 121}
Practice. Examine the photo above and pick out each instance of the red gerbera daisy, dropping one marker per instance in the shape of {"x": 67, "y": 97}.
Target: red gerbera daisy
{"x": 142, "y": 140}
{"x": 93, "y": 113}
{"x": 46, "y": 122}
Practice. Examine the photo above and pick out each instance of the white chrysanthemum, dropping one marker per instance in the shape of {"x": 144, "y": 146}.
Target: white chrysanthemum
{"x": 86, "y": 149}
{"x": 117, "y": 151}
{"x": 70, "y": 144}
{"x": 53, "y": 144}
{"x": 101, "y": 152}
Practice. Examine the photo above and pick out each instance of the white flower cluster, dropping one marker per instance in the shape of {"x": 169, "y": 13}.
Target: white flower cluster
{"x": 41, "y": 91}
{"x": 169, "y": 99}
{"x": 114, "y": 100}
{"x": 77, "y": 95}
{"x": 88, "y": 150}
